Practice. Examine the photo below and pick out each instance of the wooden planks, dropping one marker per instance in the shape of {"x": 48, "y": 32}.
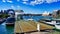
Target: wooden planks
{"x": 45, "y": 26}
{"x": 28, "y": 26}
{"x": 24, "y": 26}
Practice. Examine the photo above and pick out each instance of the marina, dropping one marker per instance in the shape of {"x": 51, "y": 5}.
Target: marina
{"x": 29, "y": 26}
{"x": 29, "y": 16}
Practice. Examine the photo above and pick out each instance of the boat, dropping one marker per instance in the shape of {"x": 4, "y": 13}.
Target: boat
{"x": 10, "y": 21}
{"x": 54, "y": 22}
{"x": 49, "y": 21}
{"x": 57, "y": 25}
{"x": 2, "y": 20}
{"x": 30, "y": 19}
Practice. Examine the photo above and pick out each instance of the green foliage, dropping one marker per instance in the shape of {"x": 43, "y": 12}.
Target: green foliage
{"x": 4, "y": 15}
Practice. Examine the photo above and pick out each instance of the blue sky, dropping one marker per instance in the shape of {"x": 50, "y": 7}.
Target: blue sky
{"x": 31, "y": 6}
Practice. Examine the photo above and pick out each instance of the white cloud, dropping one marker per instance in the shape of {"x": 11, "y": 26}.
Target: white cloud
{"x": 18, "y": 7}
{"x": 35, "y": 2}
{"x": 40, "y": 1}
{"x": 12, "y": 6}
{"x": 25, "y": 0}
{"x": 51, "y": 1}
{"x": 10, "y": 1}
{"x": 3, "y": 0}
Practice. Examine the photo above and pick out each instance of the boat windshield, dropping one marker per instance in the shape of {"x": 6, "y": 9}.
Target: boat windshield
{"x": 58, "y": 23}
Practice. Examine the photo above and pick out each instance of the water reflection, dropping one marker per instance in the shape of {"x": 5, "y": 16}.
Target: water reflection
{"x": 6, "y": 29}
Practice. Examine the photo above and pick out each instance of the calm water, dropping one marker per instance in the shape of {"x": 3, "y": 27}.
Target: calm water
{"x": 10, "y": 29}
{"x": 36, "y": 18}
{"x": 6, "y": 29}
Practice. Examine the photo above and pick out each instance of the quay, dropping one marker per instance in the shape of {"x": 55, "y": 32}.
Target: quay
{"x": 23, "y": 26}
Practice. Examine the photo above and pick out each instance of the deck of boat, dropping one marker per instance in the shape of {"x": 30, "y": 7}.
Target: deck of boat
{"x": 28, "y": 26}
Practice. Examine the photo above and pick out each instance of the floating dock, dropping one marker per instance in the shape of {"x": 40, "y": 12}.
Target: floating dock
{"x": 28, "y": 26}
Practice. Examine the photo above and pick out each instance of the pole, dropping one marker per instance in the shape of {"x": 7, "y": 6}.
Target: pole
{"x": 38, "y": 27}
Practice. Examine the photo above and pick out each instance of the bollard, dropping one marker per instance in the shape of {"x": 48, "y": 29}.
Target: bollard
{"x": 38, "y": 27}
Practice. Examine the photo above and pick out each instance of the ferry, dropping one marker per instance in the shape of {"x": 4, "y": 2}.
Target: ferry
{"x": 10, "y": 21}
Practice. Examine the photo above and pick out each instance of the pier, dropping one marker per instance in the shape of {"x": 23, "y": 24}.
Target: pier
{"x": 29, "y": 26}
{"x": 25, "y": 26}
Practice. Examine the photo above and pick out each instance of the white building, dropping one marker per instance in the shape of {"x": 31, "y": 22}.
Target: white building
{"x": 18, "y": 12}
{"x": 45, "y": 13}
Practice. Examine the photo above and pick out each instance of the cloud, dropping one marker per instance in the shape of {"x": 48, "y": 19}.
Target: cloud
{"x": 10, "y": 1}
{"x": 35, "y": 2}
{"x": 25, "y": 0}
{"x": 3, "y": 0}
{"x": 51, "y": 1}
{"x": 18, "y": 6}
{"x": 12, "y": 6}
{"x": 18, "y": 0}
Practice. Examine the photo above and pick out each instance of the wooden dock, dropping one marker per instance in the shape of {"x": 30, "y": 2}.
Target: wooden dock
{"x": 29, "y": 26}
{"x": 25, "y": 26}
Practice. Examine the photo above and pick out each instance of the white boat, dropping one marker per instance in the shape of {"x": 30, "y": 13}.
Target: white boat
{"x": 55, "y": 22}
{"x": 30, "y": 19}
{"x": 57, "y": 25}
{"x": 52, "y": 22}
{"x": 49, "y": 21}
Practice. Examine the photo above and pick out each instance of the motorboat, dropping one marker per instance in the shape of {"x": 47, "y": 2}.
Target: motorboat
{"x": 49, "y": 21}
{"x": 57, "y": 25}
{"x": 55, "y": 22}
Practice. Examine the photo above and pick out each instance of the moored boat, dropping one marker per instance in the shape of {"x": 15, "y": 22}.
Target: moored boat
{"x": 10, "y": 21}
{"x": 54, "y": 22}
{"x": 49, "y": 21}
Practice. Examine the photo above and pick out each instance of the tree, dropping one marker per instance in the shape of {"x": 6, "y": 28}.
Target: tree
{"x": 4, "y": 15}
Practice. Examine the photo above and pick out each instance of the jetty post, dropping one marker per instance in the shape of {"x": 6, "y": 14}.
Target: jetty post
{"x": 38, "y": 27}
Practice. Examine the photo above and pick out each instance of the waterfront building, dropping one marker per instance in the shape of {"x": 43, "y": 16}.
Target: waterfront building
{"x": 58, "y": 12}
{"x": 45, "y": 13}
{"x": 5, "y": 12}
{"x": 1, "y": 12}
{"x": 54, "y": 14}
{"x": 17, "y": 13}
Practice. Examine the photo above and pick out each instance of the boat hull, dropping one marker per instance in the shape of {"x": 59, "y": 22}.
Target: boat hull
{"x": 9, "y": 24}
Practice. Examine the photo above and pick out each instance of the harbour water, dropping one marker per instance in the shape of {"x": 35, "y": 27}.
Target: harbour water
{"x": 36, "y": 18}
{"x": 10, "y": 29}
{"x": 6, "y": 29}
